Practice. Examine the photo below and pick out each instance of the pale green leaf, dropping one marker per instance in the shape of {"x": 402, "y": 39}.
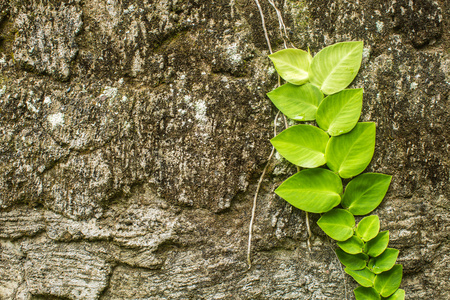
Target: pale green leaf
{"x": 377, "y": 245}
{"x": 366, "y": 293}
{"x": 349, "y": 154}
{"x": 297, "y": 102}
{"x": 368, "y": 228}
{"x": 364, "y": 277}
{"x": 353, "y": 245}
{"x": 365, "y": 192}
{"x": 338, "y": 224}
{"x": 388, "y": 282}
{"x": 339, "y": 113}
{"x": 335, "y": 66}
{"x": 312, "y": 190}
{"x": 292, "y": 65}
{"x": 352, "y": 261}
{"x": 384, "y": 262}
{"x": 303, "y": 145}
{"x": 398, "y": 295}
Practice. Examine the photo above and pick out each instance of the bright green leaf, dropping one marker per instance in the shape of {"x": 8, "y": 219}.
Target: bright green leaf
{"x": 366, "y": 293}
{"x": 388, "y": 282}
{"x": 353, "y": 245}
{"x": 338, "y": 224}
{"x": 292, "y": 65}
{"x": 364, "y": 277}
{"x": 351, "y": 261}
{"x": 398, "y": 295}
{"x": 297, "y": 102}
{"x": 312, "y": 190}
{"x": 349, "y": 154}
{"x": 377, "y": 245}
{"x": 339, "y": 113}
{"x": 368, "y": 228}
{"x": 335, "y": 66}
{"x": 303, "y": 145}
{"x": 384, "y": 262}
{"x": 365, "y": 192}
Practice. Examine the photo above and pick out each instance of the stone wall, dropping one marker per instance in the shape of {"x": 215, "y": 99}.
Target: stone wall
{"x": 133, "y": 134}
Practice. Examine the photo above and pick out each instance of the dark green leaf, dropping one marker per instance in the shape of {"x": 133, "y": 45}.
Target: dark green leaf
{"x": 366, "y": 293}
{"x": 364, "y": 277}
{"x": 388, "y": 282}
{"x": 368, "y": 228}
{"x": 365, "y": 192}
{"x": 353, "y": 245}
{"x": 303, "y": 145}
{"x": 377, "y": 245}
{"x": 338, "y": 224}
{"x": 349, "y": 154}
{"x": 352, "y": 261}
{"x": 297, "y": 102}
{"x": 312, "y": 190}
{"x": 384, "y": 262}
{"x": 339, "y": 113}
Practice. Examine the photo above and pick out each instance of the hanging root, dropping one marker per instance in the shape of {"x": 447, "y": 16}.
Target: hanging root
{"x": 308, "y": 241}
{"x": 250, "y": 228}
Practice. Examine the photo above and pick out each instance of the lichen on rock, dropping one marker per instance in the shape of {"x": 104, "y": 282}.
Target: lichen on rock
{"x": 133, "y": 134}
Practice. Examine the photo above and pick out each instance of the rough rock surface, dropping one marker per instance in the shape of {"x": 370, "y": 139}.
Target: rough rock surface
{"x": 133, "y": 133}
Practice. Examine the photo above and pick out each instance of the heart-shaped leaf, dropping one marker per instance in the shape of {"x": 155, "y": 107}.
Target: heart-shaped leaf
{"x": 303, "y": 145}
{"x": 353, "y": 245}
{"x": 366, "y": 293}
{"x": 338, "y": 224}
{"x": 398, "y": 295}
{"x": 384, "y": 262}
{"x": 388, "y": 282}
{"x": 368, "y": 228}
{"x": 339, "y": 113}
{"x": 292, "y": 65}
{"x": 312, "y": 190}
{"x": 349, "y": 154}
{"x": 298, "y": 102}
{"x": 352, "y": 261}
{"x": 335, "y": 66}
{"x": 364, "y": 277}
{"x": 365, "y": 192}
{"x": 377, "y": 245}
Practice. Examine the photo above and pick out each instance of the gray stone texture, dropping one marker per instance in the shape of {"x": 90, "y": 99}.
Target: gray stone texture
{"x": 133, "y": 134}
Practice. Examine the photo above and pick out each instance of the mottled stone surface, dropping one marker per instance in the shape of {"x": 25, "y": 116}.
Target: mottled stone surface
{"x": 133, "y": 134}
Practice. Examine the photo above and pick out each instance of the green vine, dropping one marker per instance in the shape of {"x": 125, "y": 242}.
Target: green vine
{"x": 316, "y": 91}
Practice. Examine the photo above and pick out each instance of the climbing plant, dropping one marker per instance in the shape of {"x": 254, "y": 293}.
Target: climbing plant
{"x": 339, "y": 147}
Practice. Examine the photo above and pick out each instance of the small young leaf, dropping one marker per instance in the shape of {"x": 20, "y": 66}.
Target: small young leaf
{"x": 368, "y": 228}
{"x": 312, "y": 190}
{"x": 364, "y": 277}
{"x": 292, "y": 65}
{"x": 366, "y": 293}
{"x": 335, "y": 66}
{"x": 338, "y": 224}
{"x": 349, "y": 154}
{"x": 353, "y": 245}
{"x": 388, "y": 282}
{"x": 339, "y": 113}
{"x": 398, "y": 295}
{"x": 297, "y": 102}
{"x": 353, "y": 262}
{"x": 365, "y": 192}
{"x": 384, "y": 262}
{"x": 377, "y": 245}
{"x": 303, "y": 145}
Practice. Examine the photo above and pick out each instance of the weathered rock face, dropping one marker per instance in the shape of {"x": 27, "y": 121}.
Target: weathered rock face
{"x": 133, "y": 133}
